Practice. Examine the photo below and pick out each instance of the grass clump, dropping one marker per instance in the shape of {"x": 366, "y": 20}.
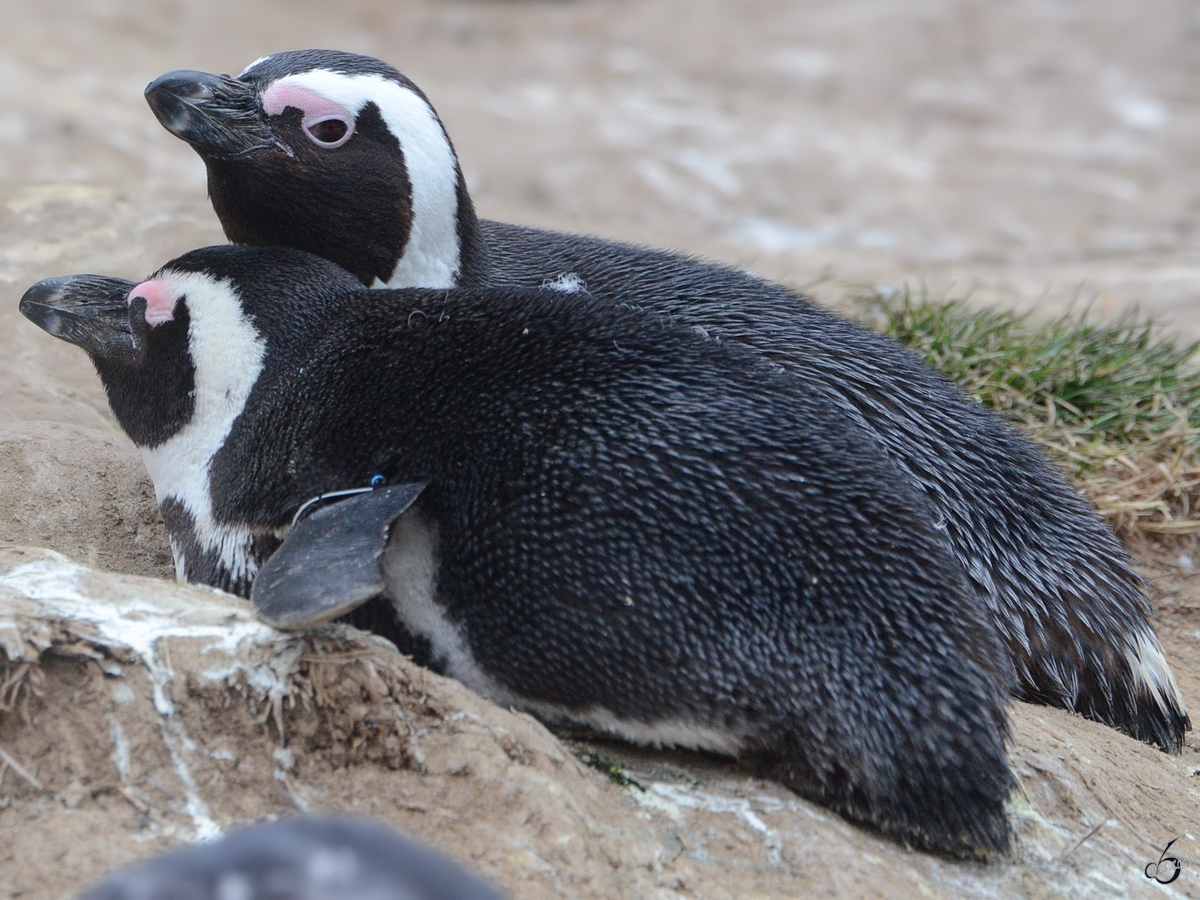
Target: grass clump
{"x": 1115, "y": 403}
{"x": 602, "y": 763}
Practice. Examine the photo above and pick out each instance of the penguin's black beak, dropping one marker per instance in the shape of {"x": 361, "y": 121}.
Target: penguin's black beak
{"x": 219, "y": 116}
{"x": 89, "y": 311}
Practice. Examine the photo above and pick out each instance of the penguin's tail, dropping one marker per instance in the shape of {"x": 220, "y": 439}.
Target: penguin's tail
{"x": 1108, "y": 671}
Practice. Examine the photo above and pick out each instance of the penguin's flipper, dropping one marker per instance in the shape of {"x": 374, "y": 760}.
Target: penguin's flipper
{"x": 329, "y": 564}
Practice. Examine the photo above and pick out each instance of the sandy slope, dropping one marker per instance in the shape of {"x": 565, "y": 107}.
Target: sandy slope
{"x": 143, "y": 714}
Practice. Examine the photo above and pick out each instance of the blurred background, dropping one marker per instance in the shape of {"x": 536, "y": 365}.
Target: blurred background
{"x": 1035, "y": 151}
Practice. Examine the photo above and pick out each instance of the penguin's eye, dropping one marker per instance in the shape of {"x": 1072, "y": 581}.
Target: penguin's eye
{"x": 328, "y": 132}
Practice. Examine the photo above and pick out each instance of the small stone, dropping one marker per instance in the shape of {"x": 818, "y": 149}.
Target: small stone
{"x": 74, "y": 794}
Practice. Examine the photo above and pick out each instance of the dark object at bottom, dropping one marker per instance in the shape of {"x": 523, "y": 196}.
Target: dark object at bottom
{"x": 300, "y": 859}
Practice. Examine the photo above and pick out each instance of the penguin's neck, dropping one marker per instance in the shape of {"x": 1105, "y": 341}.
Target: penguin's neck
{"x": 444, "y": 247}
{"x": 431, "y": 260}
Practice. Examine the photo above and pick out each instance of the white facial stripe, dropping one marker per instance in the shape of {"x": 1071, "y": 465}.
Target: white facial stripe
{"x": 228, "y": 354}
{"x": 431, "y": 258}
{"x": 261, "y": 59}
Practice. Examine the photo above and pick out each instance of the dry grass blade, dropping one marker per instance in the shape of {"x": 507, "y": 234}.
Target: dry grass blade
{"x": 1117, "y": 404}
{"x": 8, "y": 760}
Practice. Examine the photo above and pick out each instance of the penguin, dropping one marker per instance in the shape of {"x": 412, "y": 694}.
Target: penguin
{"x": 342, "y": 156}
{"x": 625, "y": 524}
{"x": 299, "y": 859}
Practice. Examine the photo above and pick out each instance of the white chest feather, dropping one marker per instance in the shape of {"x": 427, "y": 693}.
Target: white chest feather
{"x": 410, "y": 578}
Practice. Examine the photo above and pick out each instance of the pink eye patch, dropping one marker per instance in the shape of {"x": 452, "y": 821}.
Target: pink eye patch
{"x": 315, "y": 108}
{"x": 160, "y": 302}
{"x": 281, "y": 95}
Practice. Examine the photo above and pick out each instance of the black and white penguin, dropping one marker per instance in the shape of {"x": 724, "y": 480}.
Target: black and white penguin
{"x": 298, "y": 859}
{"x": 343, "y": 156}
{"x": 625, "y": 524}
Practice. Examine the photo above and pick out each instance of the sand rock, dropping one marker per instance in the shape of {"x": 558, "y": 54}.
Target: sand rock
{"x": 81, "y": 492}
{"x": 137, "y": 715}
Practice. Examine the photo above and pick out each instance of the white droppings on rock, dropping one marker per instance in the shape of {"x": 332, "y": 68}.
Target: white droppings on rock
{"x": 139, "y": 617}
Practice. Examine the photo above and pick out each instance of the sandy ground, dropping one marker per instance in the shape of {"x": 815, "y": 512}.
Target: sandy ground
{"x": 1028, "y": 146}
{"x": 1038, "y": 153}
{"x": 142, "y": 715}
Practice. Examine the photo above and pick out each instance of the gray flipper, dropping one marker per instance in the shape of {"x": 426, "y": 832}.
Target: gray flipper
{"x": 329, "y": 564}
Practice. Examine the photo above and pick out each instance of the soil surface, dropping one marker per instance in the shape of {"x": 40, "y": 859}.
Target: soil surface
{"x": 1040, "y": 153}
{"x": 136, "y": 714}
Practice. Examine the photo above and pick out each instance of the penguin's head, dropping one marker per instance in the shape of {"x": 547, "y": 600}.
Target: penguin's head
{"x": 329, "y": 152}
{"x": 138, "y": 342}
{"x": 180, "y": 355}
{"x": 185, "y": 346}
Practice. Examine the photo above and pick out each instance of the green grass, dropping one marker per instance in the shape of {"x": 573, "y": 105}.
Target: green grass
{"x": 1117, "y": 404}
{"x": 601, "y": 763}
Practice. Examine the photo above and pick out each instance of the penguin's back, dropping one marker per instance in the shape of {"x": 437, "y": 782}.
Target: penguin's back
{"x": 652, "y": 532}
{"x": 1059, "y": 584}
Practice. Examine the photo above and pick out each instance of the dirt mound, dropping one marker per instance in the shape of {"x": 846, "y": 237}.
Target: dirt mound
{"x": 136, "y": 715}
{"x": 83, "y": 493}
